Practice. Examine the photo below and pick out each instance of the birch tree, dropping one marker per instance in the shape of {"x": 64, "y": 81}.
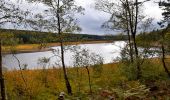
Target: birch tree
{"x": 165, "y": 25}
{"x": 126, "y": 17}
{"x": 61, "y": 20}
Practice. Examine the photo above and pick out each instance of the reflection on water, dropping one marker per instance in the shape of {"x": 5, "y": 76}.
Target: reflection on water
{"x": 108, "y": 51}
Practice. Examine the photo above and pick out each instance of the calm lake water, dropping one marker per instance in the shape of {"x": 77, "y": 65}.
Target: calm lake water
{"x": 109, "y": 51}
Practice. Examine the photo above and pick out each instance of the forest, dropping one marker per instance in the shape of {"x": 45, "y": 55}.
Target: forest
{"x": 51, "y": 51}
{"x": 35, "y": 37}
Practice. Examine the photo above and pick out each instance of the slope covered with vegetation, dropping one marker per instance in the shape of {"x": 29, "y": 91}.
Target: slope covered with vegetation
{"x": 35, "y": 37}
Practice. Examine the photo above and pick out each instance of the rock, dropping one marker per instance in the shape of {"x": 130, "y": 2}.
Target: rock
{"x": 61, "y": 96}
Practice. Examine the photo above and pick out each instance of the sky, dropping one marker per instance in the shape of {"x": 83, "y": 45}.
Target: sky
{"x": 92, "y": 19}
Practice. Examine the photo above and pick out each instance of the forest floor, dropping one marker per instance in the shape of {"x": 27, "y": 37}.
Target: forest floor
{"x": 108, "y": 81}
{"x": 27, "y": 48}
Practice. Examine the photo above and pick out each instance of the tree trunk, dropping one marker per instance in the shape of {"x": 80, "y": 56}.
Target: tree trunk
{"x": 163, "y": 61}
{"x": 163, "y": 53}
{"x": 1, "y": 76}
{"x": 88, "y": 72}
{"x": 137, "y": 59}
{"x": 68, "y": 86}
{"x": 130, "y": 47}
{"x": 133, "y": 28}
{"x": 69, "y": 90}
{"x": 129, "y": 37}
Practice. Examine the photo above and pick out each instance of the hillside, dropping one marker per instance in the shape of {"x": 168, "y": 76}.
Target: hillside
{"x": 34, "y": 37}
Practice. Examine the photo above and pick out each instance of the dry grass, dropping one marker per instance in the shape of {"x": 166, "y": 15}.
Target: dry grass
{"x": 55, "y": 77}
{"x": 36, "y": 47}
{"x": 37, "y": 88}
{"x": 35, "y": 85}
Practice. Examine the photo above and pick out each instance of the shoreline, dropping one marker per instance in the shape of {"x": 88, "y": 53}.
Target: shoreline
{"x": 31, "y": 48}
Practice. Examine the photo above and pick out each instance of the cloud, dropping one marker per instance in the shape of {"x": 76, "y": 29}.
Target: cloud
{"x": 152, "y": 10}
{"x": 92, "y": 20}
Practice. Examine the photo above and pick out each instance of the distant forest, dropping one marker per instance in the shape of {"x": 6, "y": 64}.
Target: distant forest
{"x": 33, "y": 37}
{"x": 153, "y": 38}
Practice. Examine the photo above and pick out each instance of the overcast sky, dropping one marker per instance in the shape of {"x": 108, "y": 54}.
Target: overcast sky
{"x": 92, "y": 19}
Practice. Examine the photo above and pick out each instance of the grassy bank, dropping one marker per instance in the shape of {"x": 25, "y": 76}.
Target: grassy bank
{"x": 111, "y": 81}
{"x": 25, "y": 48}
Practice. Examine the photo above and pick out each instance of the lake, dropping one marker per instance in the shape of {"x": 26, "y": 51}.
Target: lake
{"x": 109, "y": 52}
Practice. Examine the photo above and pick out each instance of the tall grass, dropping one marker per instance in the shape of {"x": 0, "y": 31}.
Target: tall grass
{"x": 115, "y": 80}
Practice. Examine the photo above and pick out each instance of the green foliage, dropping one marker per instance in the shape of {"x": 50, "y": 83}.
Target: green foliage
{"x": 118, "y": 79}
{"x": 97, "y": 70}
{"x": 151, "y": 36}
{"x": 129, "y": 70}
{"x": 32, "y": 37}
{"x": 46, "y": 93}
{"x": 152, "y": 71}
{"x": 8, "y": 39}
{"x": 167, "y": 41}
